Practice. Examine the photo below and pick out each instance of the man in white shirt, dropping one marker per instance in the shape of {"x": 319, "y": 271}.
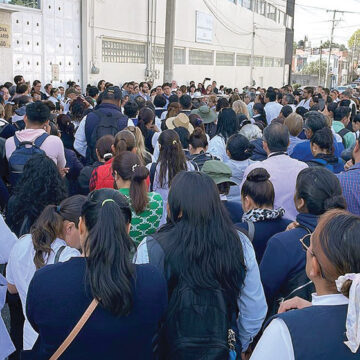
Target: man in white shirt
{"x": 307, "y": 95}
{"x": 272, "y": 108}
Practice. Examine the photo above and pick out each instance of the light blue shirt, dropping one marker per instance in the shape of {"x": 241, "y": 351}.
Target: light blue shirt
{"x": 6, "y": 345}
{"x": 294, "y": 140}
{"x": 251, "y": 301}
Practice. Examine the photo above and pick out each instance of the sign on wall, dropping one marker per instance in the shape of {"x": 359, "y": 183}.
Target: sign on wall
{"x": 5, "y": 36}
{"x": 204, "y": 28}
{"x": 55, "y": 72}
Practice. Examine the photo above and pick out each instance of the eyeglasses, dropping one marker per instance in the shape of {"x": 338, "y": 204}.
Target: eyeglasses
{"x": 306, "y": 242}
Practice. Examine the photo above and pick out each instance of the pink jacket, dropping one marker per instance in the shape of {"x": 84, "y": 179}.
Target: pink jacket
{"x": 52, "y": 146}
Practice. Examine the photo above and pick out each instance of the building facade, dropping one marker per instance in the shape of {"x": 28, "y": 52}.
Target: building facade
{"x": 231, "y": 41}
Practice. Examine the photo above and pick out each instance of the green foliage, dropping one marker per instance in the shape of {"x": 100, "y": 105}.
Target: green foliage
{"x": 27, "y": 3}
{"x": 313, "y": 68}
{"x": 354, "y": 41}
{"x": 326, "y": 45}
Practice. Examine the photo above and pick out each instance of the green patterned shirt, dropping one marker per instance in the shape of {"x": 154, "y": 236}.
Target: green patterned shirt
{"x": 147, "y": 222}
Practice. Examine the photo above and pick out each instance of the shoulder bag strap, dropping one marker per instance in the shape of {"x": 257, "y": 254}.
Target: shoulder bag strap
{"x": 152, "y": 176}
{"x": 58, "y": 253}
{"x": 251, "y": 230}
{"x": 75, "y": 331}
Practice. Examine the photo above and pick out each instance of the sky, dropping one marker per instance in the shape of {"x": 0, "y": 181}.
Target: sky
{"x": 314, "y": 22}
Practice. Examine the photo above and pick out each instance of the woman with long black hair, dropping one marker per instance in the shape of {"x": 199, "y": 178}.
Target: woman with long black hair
{"x": 227, "y": 125}
{"x": 199, "y": 249}
{"x": 40, "y": 185}
{"x": 171, "y": 161}
{"x": 127, "y": 300}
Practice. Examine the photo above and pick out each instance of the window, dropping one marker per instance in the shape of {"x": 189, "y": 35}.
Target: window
{"x": 281, "y": 17}
{"x": 197, "y": 57}
{"x": 35, "y": 4}
{"x": 277, "y": 62}
{"x": 243, "y": 60}
{"x": 247, "y": 4}
{"x": 256, "y": 6}
{"x": 224, "y": 59}
{"x": 271, "y": 13}
{"x": 258, "y": 61}
{"x": 269, "y": 62}
{"x": 263, "y": 7}
{"x": 159, "y": 54}
{"x": 179, "y": 56}
{"x": 123, "y": 52}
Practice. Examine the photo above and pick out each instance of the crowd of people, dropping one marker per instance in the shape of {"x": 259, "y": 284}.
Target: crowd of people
{"x": 179, "y": 222}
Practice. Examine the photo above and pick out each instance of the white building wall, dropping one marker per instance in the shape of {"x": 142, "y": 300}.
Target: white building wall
{"x": 127, "y": 21}
{"x": 46, "y": 36}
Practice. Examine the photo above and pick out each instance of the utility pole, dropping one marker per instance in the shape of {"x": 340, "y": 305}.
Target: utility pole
{"x": 320, "y": 62}
{"x": 252, "y": 52}
{"x": 169, "y": 40}
{"x": 331, "y": 41}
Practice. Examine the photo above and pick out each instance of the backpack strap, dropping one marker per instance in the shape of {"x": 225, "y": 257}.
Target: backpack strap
{"x": 40, "y": 140}
{"x": 152, "y": 176}
{"x": 195, "y": 165}
{"x": 58, "y": 253}
{"x": 342, "y": 133}
{"x": 16, "y": 141}
{"x": 251, "y": 230}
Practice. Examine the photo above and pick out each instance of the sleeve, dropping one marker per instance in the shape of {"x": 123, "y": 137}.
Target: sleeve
{"x": 60, "y": 152}
{"x": 275, "y": 343}
{"x": 7, "y": 240}
{"x": 272, "y": 276}
{"x": 80, "y": 144}
{"x": 251, "y": 302}
{"x": 31, "y": 302}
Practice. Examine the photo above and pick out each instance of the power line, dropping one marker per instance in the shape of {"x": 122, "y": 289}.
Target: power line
{"x": 325, "y": 9}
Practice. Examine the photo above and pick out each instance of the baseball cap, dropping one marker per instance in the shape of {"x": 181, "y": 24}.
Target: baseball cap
{"x": 218, "y": 171}
{"x": 112, "y": 93}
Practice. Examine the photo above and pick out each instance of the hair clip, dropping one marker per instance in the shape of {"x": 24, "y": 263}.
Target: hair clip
{"x": 106, "y": 201}
{"x": 58, "y": 209}
{"x": 134, "y": 167}
{"x": 174, "y": 142}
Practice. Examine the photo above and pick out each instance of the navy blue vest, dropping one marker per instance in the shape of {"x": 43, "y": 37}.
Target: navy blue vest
{"x": 318, "y": 333}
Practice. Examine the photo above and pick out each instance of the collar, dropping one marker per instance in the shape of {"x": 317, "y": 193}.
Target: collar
{"x": 332, "y": 299}
{"x": 223, "y": 197}
{"x": 256, "y": 215}
{"x": 125, "y": 191}
{"x": 277, "y": 153}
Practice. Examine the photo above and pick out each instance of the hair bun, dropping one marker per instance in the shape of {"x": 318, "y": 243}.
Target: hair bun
{"x": 198, "y": 132}
{"x": 335, "y": 202}
{"x": 140, "y": 173}
{"x": 258, "y": 175}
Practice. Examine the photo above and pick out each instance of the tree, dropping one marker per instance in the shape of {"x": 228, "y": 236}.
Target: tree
{"x": 326, "y": 45}
{"x": 313, "y": 68}
{"x": 354, "y": 41}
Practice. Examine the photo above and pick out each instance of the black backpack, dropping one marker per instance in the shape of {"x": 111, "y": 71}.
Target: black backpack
{"x": 197, "y": 323}
{"x": 22, "y": 154}
{"x": 108, "y": 124}
{"x": 342, "y": 133}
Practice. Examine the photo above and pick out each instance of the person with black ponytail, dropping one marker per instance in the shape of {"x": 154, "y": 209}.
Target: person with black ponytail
{"x": 260, "y": 219}
{"x": 127, "y": 301}
{"x": 53, "y": 238}
{"x": 147, "y": 207}
{"x": 282, "y": 267}
{"x": 328, "y": 326}
{"x": 204, "y": 260}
